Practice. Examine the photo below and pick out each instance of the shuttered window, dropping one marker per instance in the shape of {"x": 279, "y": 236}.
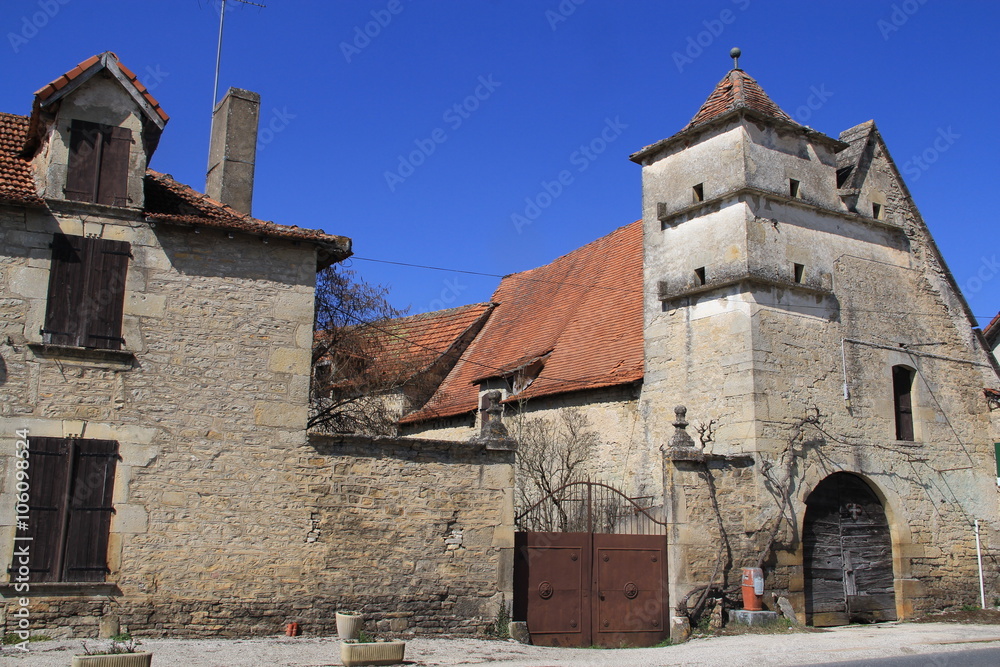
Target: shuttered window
{"x": 69, "y": 508}
{"x": 98, "y": 163}
{"x": 86, "y": 292}
{"x": 902, "y": 393}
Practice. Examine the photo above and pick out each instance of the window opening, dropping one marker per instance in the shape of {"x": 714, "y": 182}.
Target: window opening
{"x": 902, "y": 392}
{"x": 798, "y": 270}
{"x": 700, "y": 275}
{"x": 699, "y": 192}
{"x": 877, "y": 211}
{"x": 793, "y": 187}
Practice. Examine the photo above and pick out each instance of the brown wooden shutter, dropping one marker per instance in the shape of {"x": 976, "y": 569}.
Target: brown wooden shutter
{"x": 104, "y": 293}
{"x": 90, "y": 510}
{"x": 49, "y": 479}
{"x": 83, "y": 170}
{"x": 113, "y": 182}
{"x": 902, "y": 384}
{"x": 64, "y": 324}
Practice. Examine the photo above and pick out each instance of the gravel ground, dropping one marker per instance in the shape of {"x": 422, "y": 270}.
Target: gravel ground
{"x": 858, "y": 642}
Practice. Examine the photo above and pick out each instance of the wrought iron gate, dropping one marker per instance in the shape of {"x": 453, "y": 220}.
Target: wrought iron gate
{"x": 591, "y": 569}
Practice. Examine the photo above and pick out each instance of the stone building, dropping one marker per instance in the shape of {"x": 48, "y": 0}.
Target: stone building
{"x": 155, "y": 355}
{"x": 783, "y": 287}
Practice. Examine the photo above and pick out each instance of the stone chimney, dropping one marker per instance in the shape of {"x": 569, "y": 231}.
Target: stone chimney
{"x": 232, "y": 152}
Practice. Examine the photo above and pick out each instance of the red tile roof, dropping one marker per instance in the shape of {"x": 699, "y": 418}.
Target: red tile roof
{"x": 584, "y": 310}
{"x": 737, "y": 90}
{"x": 992, "y": 330}
{"x": 16, "y": 183}
{"x": 417, "y": 341}
{"x": 170, "y": 201}
{"x": 166, "y": 199}
{"x": 60, "y": 82}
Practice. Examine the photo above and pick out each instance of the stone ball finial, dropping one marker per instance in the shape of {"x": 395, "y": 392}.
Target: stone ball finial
{"x": 680, "y": 412}
{"x": 735, "y": 54}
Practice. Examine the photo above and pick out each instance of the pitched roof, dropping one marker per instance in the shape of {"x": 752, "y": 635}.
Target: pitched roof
{"x": 170, "y": 201}
{"x": 166, "y": 199}
{"x": 582, "y": 315}
{"x": 107, "y": 60}
{"x": 414, "y": 343}
{"x": 992, "y": 330}
{"x": 737, "y": 90}
{"x": 853, "y": 162}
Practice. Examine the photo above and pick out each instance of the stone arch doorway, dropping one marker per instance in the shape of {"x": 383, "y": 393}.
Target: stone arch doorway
{"x": 847, "y": 554}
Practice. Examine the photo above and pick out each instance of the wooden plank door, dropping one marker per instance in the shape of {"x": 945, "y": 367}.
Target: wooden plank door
{"x": 847, "y": 554}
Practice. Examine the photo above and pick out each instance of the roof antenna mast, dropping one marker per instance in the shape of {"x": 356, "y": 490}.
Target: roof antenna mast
{"x": 218, "y": 54}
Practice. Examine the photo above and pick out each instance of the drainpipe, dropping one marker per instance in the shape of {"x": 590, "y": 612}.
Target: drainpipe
{"x": 979, "y": 557}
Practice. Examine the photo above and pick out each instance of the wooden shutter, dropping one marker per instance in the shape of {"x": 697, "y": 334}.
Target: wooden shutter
{"x": 83, "y": 170}
{"x": 902, "y": 384}
{"x": 113, "y": 181}
{"x": 104, "y": 293}
{"x": 63, "y": 320}
{"x": 90, "y": 510}
{"x": 86, "y": 292}
{"x": 49, "y": 479}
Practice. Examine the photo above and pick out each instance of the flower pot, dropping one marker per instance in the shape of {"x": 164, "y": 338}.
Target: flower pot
{"x": 377, "y": 653}
{"x": 143, "y": 659}
{"x": 349, "y": 624}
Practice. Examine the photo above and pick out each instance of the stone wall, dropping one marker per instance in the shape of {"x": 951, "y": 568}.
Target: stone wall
{"x": 416, "y": 534}
{"x": 621, "y": 456}
{"x": 228, "y": 520}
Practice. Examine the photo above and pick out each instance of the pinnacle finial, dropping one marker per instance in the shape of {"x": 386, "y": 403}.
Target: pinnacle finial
{"x": 735, "y": 54}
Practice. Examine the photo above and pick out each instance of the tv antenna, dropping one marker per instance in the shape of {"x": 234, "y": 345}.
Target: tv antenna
{"x": 218, "y": 55}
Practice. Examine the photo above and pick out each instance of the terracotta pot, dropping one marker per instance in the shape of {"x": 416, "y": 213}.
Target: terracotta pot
{"x": 143, "y": 659}
{"x": 377, "y": 653}
{"x": 349, "y": 625}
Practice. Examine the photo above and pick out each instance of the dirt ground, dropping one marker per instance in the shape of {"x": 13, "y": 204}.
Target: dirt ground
{"x": 977, "y": 616}
{"x": 857, "y": 642}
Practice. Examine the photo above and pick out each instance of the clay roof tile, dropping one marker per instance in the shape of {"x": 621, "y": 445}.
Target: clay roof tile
{"x": 583, "y": 310}
{"x": 737, "y": 90}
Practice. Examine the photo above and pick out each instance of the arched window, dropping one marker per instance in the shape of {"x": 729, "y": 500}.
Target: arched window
{"x": 902, "y": 395}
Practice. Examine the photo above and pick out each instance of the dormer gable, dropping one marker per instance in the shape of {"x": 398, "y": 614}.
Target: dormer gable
{"x": 92, "y": 133}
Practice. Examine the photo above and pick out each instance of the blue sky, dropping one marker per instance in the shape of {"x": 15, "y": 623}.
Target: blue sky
{"x": 361, "y": 134}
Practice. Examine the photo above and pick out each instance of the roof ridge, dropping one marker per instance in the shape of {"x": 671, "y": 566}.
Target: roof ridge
{"x": 576, "y": 250}
{"x": 64, "y": 79}
{"x": 444, "y": 311}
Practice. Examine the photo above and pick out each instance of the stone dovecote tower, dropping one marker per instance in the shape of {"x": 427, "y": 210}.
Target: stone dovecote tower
{"x": 796, "y": 302}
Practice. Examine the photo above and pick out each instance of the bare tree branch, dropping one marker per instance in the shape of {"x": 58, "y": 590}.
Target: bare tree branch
{"x": 358, "y": 373}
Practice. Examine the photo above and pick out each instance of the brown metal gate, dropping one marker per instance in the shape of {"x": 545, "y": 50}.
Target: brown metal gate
{"x": 848, "y": 554}
{"x": 600, "y": 586}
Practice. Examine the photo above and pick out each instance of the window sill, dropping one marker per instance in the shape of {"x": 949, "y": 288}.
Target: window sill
{"x": 62, "y": 589}
{"x": 116, "y": 359}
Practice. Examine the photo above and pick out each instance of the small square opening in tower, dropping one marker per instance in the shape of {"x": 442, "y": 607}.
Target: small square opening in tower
{"x": 793, "y": 187}
{"x": 698, "y": 193}
{"x": 798, "y": 270}
{"x": 699, "y": 275}
{"x": 877, "y": 211}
